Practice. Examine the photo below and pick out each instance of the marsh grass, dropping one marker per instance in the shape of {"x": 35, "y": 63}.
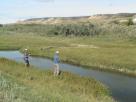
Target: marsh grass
{"x": 13, "y": 91}
{"x": 110, "y": 54}
{"x": 43, "y": 86}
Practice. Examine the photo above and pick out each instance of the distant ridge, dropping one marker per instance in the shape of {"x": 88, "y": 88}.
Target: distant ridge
{"x": 59, "y": 20}
{"x": 118, "y": 14}
{"x": 63, "y": 18}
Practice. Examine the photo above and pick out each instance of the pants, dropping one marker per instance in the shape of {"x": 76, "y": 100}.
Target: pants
{"x": 56, "y": 69}
{"x": 27, "y": 63}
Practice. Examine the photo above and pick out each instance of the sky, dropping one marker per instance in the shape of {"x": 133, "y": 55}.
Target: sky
{"x": 14, "y": 10}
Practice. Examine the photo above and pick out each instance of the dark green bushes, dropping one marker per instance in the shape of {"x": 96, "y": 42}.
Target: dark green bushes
{"x": 1, "y": 25}
{"x": 62, "y": 29}
{"x": 76, "y": 30}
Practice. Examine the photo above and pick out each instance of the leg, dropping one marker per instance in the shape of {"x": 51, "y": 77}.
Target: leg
{"x": 55, "y": 67}
{"x": 58, "y": 69}
{"x": 27, "y": 64}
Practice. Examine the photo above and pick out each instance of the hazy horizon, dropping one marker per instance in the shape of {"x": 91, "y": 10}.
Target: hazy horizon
{"x": 14, "y": 10}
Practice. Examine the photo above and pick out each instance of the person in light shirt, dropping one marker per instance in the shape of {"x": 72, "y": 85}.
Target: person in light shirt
{"x": 56, "y": 63}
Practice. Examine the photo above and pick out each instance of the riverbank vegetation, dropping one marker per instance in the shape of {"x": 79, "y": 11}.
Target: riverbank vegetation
{"x": 105, "y": 54}
{"x": 21, "y": 84}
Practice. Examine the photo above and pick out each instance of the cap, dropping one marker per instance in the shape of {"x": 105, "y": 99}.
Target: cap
{"x": 57, "y": 52}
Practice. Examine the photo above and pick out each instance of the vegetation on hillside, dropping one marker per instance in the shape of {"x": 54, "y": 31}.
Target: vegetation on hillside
{"x": 113, "y": 27}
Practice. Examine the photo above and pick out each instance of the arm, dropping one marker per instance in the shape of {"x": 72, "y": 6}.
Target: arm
{"x": 58, "y": 59}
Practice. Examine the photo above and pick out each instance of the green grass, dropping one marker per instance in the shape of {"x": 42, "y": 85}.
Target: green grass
{"x": 113, "y": 50}
{"x": 101, "y": 53}
{"x": 109, "y": 47}
{"x": 30, "y": 85}
{"x": 13, "y": 91}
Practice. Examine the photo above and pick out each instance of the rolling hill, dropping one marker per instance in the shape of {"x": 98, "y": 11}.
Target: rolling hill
{"x": 60, "y": 20}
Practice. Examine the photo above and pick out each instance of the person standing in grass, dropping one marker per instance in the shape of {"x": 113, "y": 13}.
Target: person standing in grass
{"x": 26, "y": 58}
{"x": 56, "y": 63}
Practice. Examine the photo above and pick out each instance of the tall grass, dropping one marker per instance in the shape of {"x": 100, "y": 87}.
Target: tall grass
{"x": 13, "y": 91}
{"x": 111, "y": 54}
{"x": 43, "y": 86}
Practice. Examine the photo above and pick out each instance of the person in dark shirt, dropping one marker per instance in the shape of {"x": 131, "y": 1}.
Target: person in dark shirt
{"x": 26, "y": 58}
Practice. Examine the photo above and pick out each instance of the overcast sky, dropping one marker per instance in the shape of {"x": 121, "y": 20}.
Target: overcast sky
{"x": 13, "y": 10}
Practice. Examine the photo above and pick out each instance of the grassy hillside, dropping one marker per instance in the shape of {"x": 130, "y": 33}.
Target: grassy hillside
{"x": 69, "y": 20}
{"x": 19, "y": 84}
{"x": 102, "y": 26}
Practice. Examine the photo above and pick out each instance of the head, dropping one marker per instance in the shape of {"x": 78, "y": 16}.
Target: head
{"x": 26, "y": 50}
{"x": 57, "y": 52}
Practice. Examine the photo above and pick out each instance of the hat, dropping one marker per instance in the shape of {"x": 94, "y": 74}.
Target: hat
{"x": 26, "y": 49}
{"x": 57, "y": 52}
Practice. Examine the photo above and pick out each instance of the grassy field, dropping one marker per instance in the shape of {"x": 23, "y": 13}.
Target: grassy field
{"x": 101, "y": 53}
{"x": 20, "y": 84}
{"x": 105, "y": 46}
{"x": 13, "y": 91}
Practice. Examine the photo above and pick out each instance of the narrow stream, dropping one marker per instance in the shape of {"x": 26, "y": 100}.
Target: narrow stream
{"x": 123, "y": 87}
